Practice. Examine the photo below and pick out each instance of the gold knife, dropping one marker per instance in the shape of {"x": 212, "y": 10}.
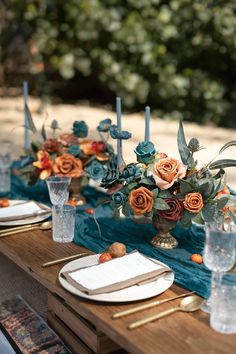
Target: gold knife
{"x": 61, "y": 260}
{"x": 148, "y": 306}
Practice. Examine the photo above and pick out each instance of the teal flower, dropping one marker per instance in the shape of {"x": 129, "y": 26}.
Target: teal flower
{"x": 80, "y": 129}
{"x": 119, "y": 199}
{"x": 131, "y": 172}
{"x": 104, "y": 125}
{"x": 111, "y": 175}
{"x": 116, "y": 134}
{"x": 95, "y": 170}
{"x": 74, "y": 150}
{"x": 145, "y": 152}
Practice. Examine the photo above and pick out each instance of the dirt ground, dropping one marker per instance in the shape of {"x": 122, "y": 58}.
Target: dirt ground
{"x": 163, "y": 132}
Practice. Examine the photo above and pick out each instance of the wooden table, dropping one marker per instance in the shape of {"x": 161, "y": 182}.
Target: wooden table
{"x": 87, "y": 326}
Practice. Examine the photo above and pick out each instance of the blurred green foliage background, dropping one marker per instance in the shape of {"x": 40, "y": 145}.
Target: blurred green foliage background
{"x": 179, "y": 56}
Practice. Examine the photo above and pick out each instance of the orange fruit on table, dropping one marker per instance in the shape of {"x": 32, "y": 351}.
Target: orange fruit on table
{"x": 197, "y": 258}
{"x": 4, "y": 203}
{"x": 104, "y": 257}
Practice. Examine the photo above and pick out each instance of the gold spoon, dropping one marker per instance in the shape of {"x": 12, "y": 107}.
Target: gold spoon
{"x": 42, "y": 226}
{"x": 20, "y": 227}
{"x": 188, "y": 304}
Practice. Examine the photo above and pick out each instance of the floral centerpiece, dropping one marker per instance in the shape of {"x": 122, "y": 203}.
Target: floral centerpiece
{"x": 169, "y": 191}
{"x": 70, "y": 154}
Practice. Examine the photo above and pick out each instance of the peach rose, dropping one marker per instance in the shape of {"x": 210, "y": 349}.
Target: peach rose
{"x": 193, "y": 202}
{"x": 141, "y": 200}
{"x": 167, "y": 171}
{"x": 68, "y": 165}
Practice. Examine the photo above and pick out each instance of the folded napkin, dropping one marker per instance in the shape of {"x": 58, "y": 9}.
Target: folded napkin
{"x": 117, "y": 274}
{"x": 20, "y": 211}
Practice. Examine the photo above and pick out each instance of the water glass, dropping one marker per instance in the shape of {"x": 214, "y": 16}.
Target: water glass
{"x": 5, "y": 164}
{"x": 63, "y": 219}
{"x": 58, "y": 189}
{"x": 223, "y": 303}
{"x": 219, "y": 250}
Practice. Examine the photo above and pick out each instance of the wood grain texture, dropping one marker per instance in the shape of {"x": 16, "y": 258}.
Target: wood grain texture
{"x": 179, "y": 333}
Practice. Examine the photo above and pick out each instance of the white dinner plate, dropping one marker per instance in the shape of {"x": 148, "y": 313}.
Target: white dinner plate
{"x": 132, "y": 293}
{"x": 26, "y": 220}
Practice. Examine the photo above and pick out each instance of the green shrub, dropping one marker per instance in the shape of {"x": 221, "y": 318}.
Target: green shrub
{"x": 179, "y": 56}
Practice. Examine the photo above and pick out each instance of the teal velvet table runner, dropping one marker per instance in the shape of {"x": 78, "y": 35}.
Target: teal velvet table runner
{"x": 135, "y": 236}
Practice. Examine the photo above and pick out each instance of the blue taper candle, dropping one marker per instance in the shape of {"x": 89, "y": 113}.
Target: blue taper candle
{"x": 147, "y": 123}
{"x": 119, "y": 141}
{"x": 26, "y": 124}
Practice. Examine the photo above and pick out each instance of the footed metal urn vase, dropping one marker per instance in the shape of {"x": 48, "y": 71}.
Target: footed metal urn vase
{"x": 163, "y": 239}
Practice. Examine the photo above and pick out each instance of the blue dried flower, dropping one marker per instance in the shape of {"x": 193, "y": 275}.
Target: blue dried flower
{"x": 112, "y": 174}
{"x": 80, "y": 129}
{"x": 74, "y": 150}
{"x": 116, "y": 134}
{"x": 131, "y": 172}
{"x": 145, "y": 152}
{"x": 95, "y": 170}
{"x": 104, "y": 125}
{"x": 119, "y": 198}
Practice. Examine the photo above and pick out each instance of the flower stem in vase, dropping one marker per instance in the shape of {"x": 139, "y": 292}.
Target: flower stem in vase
{"x": 163, "y": 239}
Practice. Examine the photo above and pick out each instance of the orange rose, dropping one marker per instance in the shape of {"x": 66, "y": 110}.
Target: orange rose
{"x": 141, "y": 200}
{"x": 43, "y": 165}
{"x": 193, "y": 202}
{"x": 68, "y": 165}
{"x": 167, "y": 171}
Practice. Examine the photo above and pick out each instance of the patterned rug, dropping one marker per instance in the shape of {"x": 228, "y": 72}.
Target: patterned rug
{"x": 28, "y": 331}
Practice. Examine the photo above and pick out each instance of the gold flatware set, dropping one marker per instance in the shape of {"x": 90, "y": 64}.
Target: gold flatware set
{"x": 46, "y": 225}
{"x": 65, "y": 259}
{"x": 190, "y": 303}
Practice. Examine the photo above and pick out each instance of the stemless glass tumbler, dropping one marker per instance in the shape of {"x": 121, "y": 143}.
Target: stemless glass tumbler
{"x": 58, "y": 188}
{"x": 223, "y": 303}
{"x": 219, "y": 250}
{"x": 63, "y": 223}
{"x": 5, "y": 163}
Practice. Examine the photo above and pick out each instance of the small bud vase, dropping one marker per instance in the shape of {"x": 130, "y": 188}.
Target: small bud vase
{"x": 76, "y": 187}
{"x": 163, "y": 239}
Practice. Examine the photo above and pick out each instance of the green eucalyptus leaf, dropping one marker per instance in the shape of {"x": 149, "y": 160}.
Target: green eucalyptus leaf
{"x": 160, "y": 204}
{"x": 209, "y": 212}
{"x": 165, "y": 194}
{"x": 186, "y": 220}
{"x": 126, "y": 210}
{"x": 29, "y": 118}
{"x": 156, "y": 192}
{"x": 182, "y": 145}
{"x": 184, "y": 151}
{"x": 198, "y": 219}
{"x": 132, "y": 185}
{"x": 220, "y": 164}
{"x": 206, "y": 188}
{"x": 185, "y": 187}
{"x": 43, "y": 132}
{"x": 147, "y": 181}
{"x": 221, "y": 202}
{"x": 227, "y": 145}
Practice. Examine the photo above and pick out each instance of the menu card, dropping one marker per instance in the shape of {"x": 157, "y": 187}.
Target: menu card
{"x": 116, "y": 274}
